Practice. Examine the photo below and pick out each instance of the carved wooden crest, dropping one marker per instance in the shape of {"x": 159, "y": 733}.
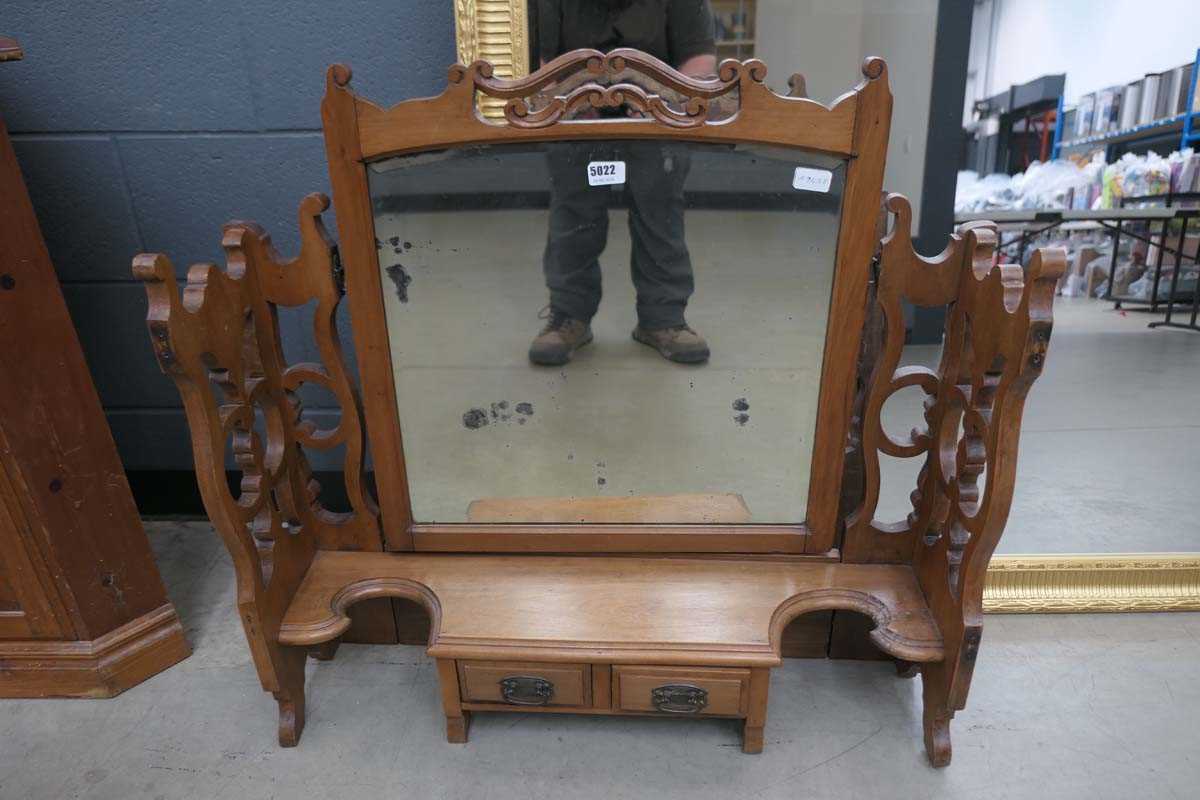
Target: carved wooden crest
{"x": 661, "y": 101}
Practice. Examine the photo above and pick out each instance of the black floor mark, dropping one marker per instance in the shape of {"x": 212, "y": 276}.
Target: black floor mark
{"x": 741, "y": 405}
{"x": 601, "y": 481}
{"x": 742, "y": 419}
{"x": 475, "y": 418}
{"x": 498, "y": 413}
{"x": 402, "y": 279}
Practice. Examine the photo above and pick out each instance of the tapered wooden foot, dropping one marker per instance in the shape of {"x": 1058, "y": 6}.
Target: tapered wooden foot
{"x": 291, "y": 717}
{"x": 937, "y": 739}
{"x": 907, "y": 669}
{"x": 326, "y": 650}
{"x": 290, "y": 695}
{"x": 456, "y": 728}
{"x": 936, "y": 716}
{"x": 752, "y": 738}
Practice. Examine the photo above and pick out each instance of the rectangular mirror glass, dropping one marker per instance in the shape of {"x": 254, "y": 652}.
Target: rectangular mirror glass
{"x": 496, "y": 257}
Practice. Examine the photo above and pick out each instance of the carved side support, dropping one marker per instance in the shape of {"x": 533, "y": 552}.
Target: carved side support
{"x": 220, "y": 342}
{"x": 996, "y": 340}
{"x": 997, "y": 331}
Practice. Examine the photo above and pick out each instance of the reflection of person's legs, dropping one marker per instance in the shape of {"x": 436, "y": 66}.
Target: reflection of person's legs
{"x": 577, "y": 235}
{"x": 659, "y": 262}
{"x": 578, "y": 230}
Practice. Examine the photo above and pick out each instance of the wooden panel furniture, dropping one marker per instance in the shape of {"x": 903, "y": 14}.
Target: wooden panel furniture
{"x": 594, "y": 606}
{"x": 83, "y": 612}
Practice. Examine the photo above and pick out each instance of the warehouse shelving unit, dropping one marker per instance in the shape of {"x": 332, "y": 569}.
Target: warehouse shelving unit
{"x": 1187, "y": 125}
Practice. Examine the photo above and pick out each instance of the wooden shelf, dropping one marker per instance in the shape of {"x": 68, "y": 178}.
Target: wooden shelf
{"x": 703, "y": 612}
{"x": 1159, "y": 127}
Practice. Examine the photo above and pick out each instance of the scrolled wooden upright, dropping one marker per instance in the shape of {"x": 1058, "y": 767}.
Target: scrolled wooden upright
{"x": 501, "y": 638}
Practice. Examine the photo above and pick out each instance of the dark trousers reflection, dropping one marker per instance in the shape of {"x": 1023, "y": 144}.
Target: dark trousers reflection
{"x": 660, "y": 265}
{"x": 659, "y": 262}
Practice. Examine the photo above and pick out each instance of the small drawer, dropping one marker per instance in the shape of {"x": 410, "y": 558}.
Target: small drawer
{"x": 519, "y": 683}
{"x": 682, "y": 690}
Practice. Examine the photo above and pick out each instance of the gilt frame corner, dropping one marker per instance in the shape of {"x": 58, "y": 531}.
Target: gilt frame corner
{"x": 496, "y": 31}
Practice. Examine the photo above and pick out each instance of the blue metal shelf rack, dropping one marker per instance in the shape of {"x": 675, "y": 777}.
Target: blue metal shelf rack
{"x": 1189, "y": 130}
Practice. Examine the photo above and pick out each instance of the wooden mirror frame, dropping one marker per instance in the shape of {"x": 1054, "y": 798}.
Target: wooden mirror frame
{"x": 854, "y": 128}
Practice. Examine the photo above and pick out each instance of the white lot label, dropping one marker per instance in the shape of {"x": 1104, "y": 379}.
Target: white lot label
{"x": 812, "y": 180}
{"x": 606, "y": 173}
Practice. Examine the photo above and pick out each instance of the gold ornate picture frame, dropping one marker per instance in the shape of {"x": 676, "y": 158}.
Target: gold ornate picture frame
{"x": 496, "y": 31}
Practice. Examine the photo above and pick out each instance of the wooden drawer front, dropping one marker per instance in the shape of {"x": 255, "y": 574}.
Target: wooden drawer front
{"x": 722, "y": 691}
{"x": 569, "y": 684}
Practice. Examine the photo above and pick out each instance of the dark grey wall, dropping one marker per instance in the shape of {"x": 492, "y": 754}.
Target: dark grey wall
{"x": 144, "y": 125}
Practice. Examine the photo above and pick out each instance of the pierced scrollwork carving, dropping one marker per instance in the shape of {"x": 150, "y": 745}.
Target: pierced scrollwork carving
{"x": 736, "y": 105}
{"x": 606, "y": 90}
{"x": 219, "y": 340}
{"x": 997, "y": 329}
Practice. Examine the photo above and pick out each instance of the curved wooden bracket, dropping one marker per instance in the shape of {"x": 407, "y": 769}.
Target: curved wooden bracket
{"x": 900, "y": 632}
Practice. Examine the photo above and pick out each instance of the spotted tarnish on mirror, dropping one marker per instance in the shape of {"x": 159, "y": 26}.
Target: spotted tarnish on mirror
{"x": 571, "y": 524}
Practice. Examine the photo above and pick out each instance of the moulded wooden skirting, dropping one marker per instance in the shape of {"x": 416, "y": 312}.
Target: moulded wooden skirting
{"x": 102, "y": 667}
{"x": 1087, "y": 583}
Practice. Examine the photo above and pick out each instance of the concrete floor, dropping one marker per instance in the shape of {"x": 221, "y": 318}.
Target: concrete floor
{"x": 1101, "y": 706}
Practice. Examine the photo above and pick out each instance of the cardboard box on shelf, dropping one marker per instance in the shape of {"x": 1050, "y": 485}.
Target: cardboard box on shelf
{"x": 1190, "y": 247}
{"x": 1083, "y": 257}
{"x": 1125, "y": 276}
{"x": 1097, "y": 274}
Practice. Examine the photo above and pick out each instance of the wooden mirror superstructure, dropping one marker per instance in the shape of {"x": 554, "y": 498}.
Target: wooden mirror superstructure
{"x": 679, "y": 619}
{"x": 855, "y": 128}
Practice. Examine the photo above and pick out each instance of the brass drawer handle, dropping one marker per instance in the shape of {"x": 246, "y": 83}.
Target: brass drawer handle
{"x": 526, "y": 690}
{"x": 679, "y": 698}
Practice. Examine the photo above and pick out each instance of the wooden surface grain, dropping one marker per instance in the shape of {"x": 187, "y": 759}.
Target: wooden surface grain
{"x": 607, "y": 609}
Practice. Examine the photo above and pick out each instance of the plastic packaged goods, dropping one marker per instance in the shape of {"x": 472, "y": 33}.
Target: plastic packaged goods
{"x": 1143, "y": 287}
{"x": 1145, "y": 176}
{"x": 1185, "y": 171}
{"x": 1066, "y": 184}
{"x": 974, "y": 194}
